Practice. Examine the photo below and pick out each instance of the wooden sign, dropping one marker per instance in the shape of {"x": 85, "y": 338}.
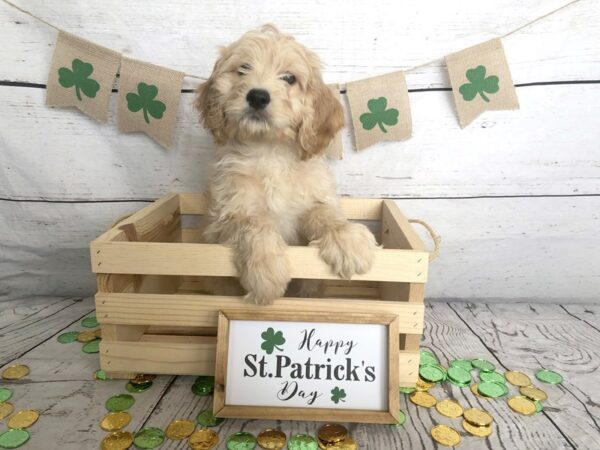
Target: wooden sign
{"x": 307, "y": 366}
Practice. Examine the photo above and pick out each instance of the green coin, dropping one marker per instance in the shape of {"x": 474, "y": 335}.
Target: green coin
{"x": 89, "y": 322}
{"x": 492, "y": 376}
{"x": 549, "y": 376}
{"x": 401, "y": 418}
{"x": 427, "y": 358}
{"x": 460, "y": 385}
{"x": 462, "y": 363}
{"x": 302, "y": 442}
{"x": 538, "y": 406}
{"x": 68, "y": 337}
{"x": 100, "y": 375}
{"x": 459, "y": 375}
{"x": 407, "y": 390}
{"x": 242, "y": 441}
{"x": 91, "y": 347}
{"x": 13, "y": 438}
{"x": 431, "y": 373}
{"x": 120, "y": 402}
{"x": 207, "y": 419}
{"x": 5, "y": 394}
{"x": 137, "y": 388}
{"x": 492, "y": 389}
{"x": 204, "y": 385}
{"x": 483, "y": 365}
{"x": 149, "y": 438}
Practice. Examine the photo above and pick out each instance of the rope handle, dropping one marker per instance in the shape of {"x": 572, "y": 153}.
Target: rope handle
{"x": 436, "y": 238}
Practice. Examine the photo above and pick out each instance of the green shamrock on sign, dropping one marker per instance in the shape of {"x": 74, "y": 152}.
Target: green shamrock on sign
{"x": 78, "y": 77}
{"x": 478, "y": 84}
{"x": 144, "y": 100}
{"x": 379, "y": 115}
{"x": 338, "y": 395}
{"x": 272, "y": 340}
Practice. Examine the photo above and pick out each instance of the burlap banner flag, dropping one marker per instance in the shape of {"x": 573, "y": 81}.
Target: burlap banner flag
{"x": 82, "y": 75}
{"x": 481, "y": 81}
{"x": 380, "y": 109}
{"x": 335, "y": 149}
{"x": 148, "y": 100}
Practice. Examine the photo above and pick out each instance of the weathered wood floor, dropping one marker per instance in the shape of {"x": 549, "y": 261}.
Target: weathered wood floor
{"x": 516, "y": 336}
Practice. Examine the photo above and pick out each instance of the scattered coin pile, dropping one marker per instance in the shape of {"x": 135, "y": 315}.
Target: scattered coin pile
{"x": 329, "y": 436}
{"x": 491, "y": 384}
{"x": 89, "y": 338}
{"x": 18, "y": 423}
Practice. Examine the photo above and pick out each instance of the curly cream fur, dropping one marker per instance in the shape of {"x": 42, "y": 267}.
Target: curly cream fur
{"x": 270, "y": 185}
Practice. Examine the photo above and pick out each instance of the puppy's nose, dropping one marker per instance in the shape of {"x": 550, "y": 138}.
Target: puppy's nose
{"x": 258, "y": 98}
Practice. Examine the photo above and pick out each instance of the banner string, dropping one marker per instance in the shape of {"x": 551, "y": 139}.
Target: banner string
{"x": 342, "y": 86}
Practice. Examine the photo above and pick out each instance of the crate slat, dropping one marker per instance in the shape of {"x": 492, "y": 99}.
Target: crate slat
{"x": 158, "y": 258}
{"x": 161, "y": 355}
{"x": 202, "y": 310}
{"x": 353, "y": 208}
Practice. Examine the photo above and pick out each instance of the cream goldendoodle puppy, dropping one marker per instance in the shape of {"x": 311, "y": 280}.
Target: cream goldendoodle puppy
{"x": 272, "y": 118}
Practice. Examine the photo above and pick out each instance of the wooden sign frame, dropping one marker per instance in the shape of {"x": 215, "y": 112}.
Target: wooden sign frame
{"x": 222, "y": 409}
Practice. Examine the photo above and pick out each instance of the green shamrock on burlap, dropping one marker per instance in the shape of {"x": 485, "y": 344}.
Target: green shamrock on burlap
{"x": 478, "y": 84}
{"x": 272, "y": 340}
{"x": 144, "y": 100}
{"x": 79, "y": 77}
{"x": 338, "y": 395}
{"x": 379, "y": 115}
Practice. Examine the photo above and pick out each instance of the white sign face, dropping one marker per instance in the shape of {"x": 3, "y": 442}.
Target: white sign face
{"x": 307, "y": 365}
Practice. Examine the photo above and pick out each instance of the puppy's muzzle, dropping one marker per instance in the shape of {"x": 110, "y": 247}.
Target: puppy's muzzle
{"x": 258, "y": 98}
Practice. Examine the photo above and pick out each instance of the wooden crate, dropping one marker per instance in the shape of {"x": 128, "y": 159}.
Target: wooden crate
{"x": 155, "y": 318}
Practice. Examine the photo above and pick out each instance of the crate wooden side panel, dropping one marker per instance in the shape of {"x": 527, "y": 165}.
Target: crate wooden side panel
{"x": 144, "y": 262}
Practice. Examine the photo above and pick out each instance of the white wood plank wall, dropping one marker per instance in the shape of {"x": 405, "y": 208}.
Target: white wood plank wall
{"x": 515, "y": 196}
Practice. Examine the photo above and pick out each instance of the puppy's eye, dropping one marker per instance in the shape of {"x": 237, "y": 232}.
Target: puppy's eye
{"x": 244, "y": 69}
{"x": 289, "y": 78}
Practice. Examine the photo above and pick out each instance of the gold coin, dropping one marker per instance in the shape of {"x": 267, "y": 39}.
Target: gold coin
{"x": 180, "y": 429}
{"x": 533, "y": 393}
{"x": 445, "y": 435}
{"x": 424, "y": 399}
{"x": 332, "y": 432}
{"x": 346, "y": 444}
{"x": 86, "y": 336}
{"x": 119, "y": 440}
{"x": 521, "y": 404}
{"x": 23, "y": 419}
{"x": 517, "y": 378}
{"x": 15, "y": 372}
{"x": 98, "y": 333}
{"x": 474, "y": 390}
{"x": 203, "y": 439}
{"x": 271, "y": 439}
{"x": 477, "y": 431}
{"x": 449, "y": 408}
{"x": 423, "y": 385}
{"x": 115, "y": 421}
{"x": 478, "y": 417}
{"x": 6, "y": 409}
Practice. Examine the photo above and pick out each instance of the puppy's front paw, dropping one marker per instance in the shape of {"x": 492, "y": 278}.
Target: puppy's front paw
{"x": 349, "y": 249}
{"x": 266, "y": 279}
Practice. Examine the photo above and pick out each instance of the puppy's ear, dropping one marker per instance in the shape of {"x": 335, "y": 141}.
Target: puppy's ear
{"x": 324, "y": 118}
{"x": 208, "y": 103}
